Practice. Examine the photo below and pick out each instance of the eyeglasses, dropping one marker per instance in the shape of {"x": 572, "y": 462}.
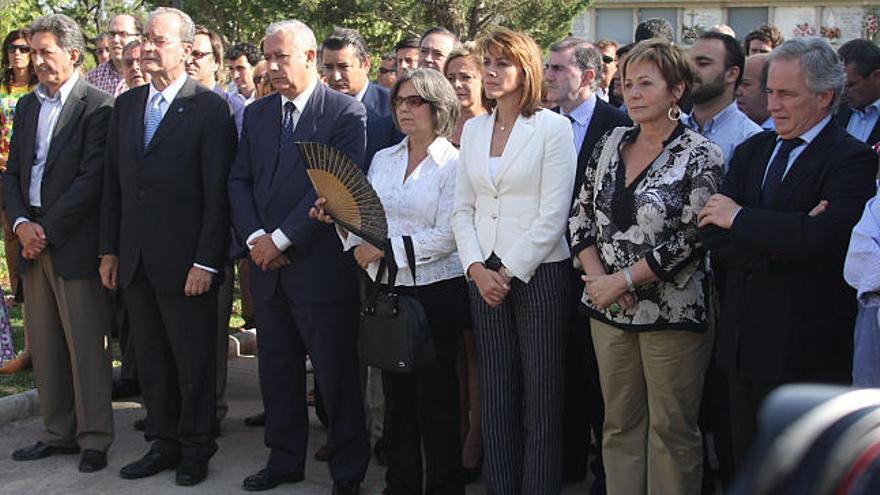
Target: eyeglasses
{"x": 608, "y": 59}
{"x": 412, "y": 101}
{"x": 121, "y": 34}
{"x": 18, "y": 48}
{"x": 197, "y": 55}
{"x": 156, "y": 40}
{"x": 384, "y": 70}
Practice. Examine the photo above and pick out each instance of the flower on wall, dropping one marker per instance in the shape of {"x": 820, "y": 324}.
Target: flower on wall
{"x": 804, "y": 30}
{"x": 870, "y": 25}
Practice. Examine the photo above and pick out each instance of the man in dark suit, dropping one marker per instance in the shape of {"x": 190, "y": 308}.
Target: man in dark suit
{"x": 164, "y": 236}
{"x": 571, "y": 78}
{"x": 860, "y": 116}
{"x": 305, "y": 290}
{"x": 781, "y": 224}
{"x": 346, "y": 69}
{"x": 52, "y": 189}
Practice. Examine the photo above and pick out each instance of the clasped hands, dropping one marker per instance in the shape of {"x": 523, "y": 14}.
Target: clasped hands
{"x": 605, "y": 290}
{"x": 493, "y": 285}
{"x": 32, "y": 238}
{"x": 266, "y": 254}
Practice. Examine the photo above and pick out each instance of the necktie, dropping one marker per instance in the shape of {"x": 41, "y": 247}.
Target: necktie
{"x": 776, "y": 170}
{"x": 285, "y": 146}
{"x": 154, "y": 117}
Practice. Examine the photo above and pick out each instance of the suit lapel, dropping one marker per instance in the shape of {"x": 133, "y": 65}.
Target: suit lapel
{"x": 177, "y": 111}
{"x": 520, "y": 135}
{"x": 140, "y": 112}
{"x": 483, "y": 148}
{"x": 67, "y": 121}
{"x": 29, "y": 148}
{"x": 267, "y": 141}
{"x": 802, "y": 167}
{"x": 757, "y": 171}
{"x": 874, "y": 138}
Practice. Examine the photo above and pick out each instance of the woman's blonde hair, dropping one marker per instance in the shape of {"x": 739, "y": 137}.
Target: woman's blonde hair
{"x": 526, "y": 55}
{"x": 673, "y": 63}
{"x": 468, "y": 54}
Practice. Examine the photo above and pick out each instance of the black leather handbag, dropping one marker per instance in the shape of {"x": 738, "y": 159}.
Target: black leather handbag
{"x": 394, "y": 333}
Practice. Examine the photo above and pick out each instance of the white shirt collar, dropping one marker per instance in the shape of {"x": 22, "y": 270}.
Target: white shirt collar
{"x": 438, "y": 150}
{"x": 62, "y": 93}
{"x": 302, "y": 99}
{"x": 875, "y": 106}
{"x": 814, "y": 131}
{"x": 170, "y": 91}
{"x": 360, "y": 95}
{"x": 583, "y": 112}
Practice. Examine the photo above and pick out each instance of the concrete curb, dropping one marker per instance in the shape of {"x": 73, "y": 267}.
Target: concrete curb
{"x": 18, "y": 406}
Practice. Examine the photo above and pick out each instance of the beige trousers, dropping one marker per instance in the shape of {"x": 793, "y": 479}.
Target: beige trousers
{"x": 69, "y": 324}
{"x": 652, "y": 383}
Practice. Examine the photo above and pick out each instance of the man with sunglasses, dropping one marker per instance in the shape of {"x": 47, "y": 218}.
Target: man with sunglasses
{"x": 608, "y": 49}
{"x": 387, "y": 71}
{"x": 164, "y": 238}
{"x": 205, "y": 64}
{"x": 108, "y": 76}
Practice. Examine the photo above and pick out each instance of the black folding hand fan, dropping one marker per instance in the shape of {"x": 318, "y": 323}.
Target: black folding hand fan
{"x": 351, "y": 199}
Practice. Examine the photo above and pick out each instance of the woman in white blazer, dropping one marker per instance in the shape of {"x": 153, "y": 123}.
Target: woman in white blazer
{"x": 512, "y": 199}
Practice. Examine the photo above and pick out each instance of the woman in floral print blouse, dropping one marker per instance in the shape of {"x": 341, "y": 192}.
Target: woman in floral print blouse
{"x": 633, "y": 229}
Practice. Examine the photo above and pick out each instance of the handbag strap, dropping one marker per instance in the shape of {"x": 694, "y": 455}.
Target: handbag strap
{"x": 410, "y": 256}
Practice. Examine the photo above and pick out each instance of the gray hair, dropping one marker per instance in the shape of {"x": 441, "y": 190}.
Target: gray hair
{"x": 436, "y": 90}
{"x": 67, "y": 33}
{"x": 187, "y": 26}
{"x": 822, "y": 67}
{"x": 586, "y": 56}
{"x": 305, "y": 38}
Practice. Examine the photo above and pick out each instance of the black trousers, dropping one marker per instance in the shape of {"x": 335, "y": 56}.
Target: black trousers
{"x": 175, "y": 340}
{"x": 584, "y": 407}
{"x": 328, "y": 333}
{"x": 422, "y": 408}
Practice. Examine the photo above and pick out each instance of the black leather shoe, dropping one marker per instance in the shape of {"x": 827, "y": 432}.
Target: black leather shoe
{"x": 148, "y": 465}
{"x": 41, "y": 450}
{"x": 140, "y": 424}
{"x": 346, "y": 488}
{"x": 267, "y": 480}
{"x": 191, "y": 472}
{"x": 256, "y": 419}
{"x": 92, "y": 460}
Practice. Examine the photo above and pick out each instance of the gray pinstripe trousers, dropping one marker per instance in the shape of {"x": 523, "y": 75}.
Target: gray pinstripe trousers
{"x": 520, "y": 347}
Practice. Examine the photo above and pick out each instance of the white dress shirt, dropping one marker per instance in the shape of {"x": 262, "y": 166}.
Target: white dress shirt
{"x": 50, "y": 111}
{"x": 419, "y": 206}
{"x": 282, "y": 242}
{"x": 808, "y": 138}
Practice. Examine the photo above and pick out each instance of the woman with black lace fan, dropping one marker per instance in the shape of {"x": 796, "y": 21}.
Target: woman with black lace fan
{"x": 415, "y": 181}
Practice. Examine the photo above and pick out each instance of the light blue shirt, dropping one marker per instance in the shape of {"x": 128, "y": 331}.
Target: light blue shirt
{"x": 581, "y": 120}
{"x": 727, "y": 129}
{"x": 862, "y": 122}
{"x": 808, "y": 138}
{"x": 769, "y": 125}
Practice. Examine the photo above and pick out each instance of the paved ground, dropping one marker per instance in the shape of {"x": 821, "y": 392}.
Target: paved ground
{"x": 241, "y": 453}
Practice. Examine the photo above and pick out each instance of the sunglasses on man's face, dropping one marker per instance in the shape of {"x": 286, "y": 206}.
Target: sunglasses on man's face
{"x": 607, "y": 59}
{"x": 385, "y": 70}
{"x": 18, "y": 48}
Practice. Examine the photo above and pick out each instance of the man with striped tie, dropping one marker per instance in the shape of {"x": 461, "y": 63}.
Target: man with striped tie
{"x": 164, "y": 234}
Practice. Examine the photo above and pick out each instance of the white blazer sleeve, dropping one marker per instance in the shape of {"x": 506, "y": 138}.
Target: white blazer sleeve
{"x": 558, "y": 171}
{"x": 464, "y": 208}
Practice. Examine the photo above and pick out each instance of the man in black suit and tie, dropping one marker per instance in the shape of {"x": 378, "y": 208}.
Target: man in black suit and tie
{"x": 860, "y": 115}
{"x": 571, "y": 77}
{"x": 164, "y": 236}
{"x": 781, "y": 224}
{"x": 305, "y": 289}
{"x": 52, "y": 189}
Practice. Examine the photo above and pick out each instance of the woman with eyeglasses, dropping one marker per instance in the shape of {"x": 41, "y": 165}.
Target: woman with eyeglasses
{"x": 18, "y": 80}
{"x": 415, "y": 181}
{"x": 512, "y": 198}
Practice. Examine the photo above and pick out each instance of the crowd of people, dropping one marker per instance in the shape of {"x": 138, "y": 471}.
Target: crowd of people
{"x": 629, "y": 246}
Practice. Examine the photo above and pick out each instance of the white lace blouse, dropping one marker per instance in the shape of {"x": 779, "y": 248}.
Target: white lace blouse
{"x": 419, "y": 206}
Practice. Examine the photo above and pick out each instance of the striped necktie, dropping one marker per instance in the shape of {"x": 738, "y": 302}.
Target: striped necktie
{"x": 154, "y": 117}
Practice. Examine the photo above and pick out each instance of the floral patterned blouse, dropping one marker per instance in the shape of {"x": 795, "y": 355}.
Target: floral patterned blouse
{"x": 655, "y": 218}
{"x": 8, "y": 100}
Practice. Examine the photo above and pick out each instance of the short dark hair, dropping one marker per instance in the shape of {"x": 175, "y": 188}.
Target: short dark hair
{"x": 766, "y": 33}
{"x": 409, "y": 42}
{"x": 734, "y": 55}
{"x": 862, "y": 54}
{"x": 67, "y": 33}
{"x": 247, "y": 50}
{"x": 342, "y": 37}
{"x": 654, "y": 28}
{"x": 586, "y": 56}
{"x": 441, "y": 30}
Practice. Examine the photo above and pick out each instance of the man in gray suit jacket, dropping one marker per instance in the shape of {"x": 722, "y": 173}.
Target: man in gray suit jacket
{"x": 52, "y": 189}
